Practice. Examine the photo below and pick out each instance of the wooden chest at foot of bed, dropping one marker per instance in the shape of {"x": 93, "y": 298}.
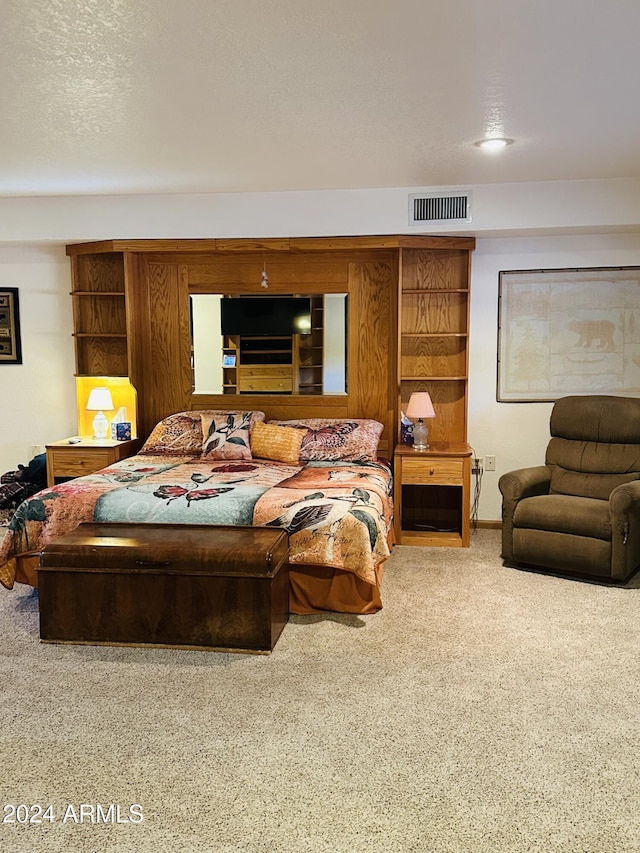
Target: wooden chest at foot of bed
{"x": 181, "y": 586}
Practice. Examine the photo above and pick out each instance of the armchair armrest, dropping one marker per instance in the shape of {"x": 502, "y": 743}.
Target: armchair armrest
{"x": 624, "y": 511}
{"x": 516, "y": 485}
{"x": 525, "y": 482}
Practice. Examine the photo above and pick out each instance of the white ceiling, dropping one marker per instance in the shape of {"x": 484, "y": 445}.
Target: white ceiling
{"x": 157, "y": 96}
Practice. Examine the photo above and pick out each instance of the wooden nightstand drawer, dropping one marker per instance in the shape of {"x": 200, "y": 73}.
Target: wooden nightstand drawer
{"x": 438, "y": 471}
{"x": 70, "y": 464}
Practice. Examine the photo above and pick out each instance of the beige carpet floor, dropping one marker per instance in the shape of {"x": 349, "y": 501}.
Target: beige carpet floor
{"x": 483, "y": 710}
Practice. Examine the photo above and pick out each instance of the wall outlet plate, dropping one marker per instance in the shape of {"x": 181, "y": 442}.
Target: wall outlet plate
{"x": 489, "y": 463}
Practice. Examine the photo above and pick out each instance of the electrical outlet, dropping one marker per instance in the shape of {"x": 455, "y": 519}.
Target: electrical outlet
{"x": 476, "y": 465}
{"x": 489, "y": 463}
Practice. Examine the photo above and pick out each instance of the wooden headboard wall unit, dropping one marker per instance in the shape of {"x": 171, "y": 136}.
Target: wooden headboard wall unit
{"x": 132, "y": 317}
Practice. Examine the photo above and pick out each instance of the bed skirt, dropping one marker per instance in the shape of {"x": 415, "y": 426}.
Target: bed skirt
{"x": 27, "y": 568}
{"x": 316, "y": 589}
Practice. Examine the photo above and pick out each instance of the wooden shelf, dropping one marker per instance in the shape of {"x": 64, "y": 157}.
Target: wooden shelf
{"x": 434, "y": 378}
{"x": 98, "y": 335}
{"x": 433, "y": 333}
{"x": 100, "y": 314}
{"x": 428, "y": 290}
{"x": 97, "y": 293}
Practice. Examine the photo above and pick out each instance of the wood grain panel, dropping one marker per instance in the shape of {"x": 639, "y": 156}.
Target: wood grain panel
{"x": 169, "y": 388}
{"x": 279, "y": 244}
{"x": 101, "y": 356}
{"x": 283, "y": 408}
{"x": 449, "y": 403}
{"x": 273, "y": 244}
{"x": 432, "y": 269}
{"x": 290, "y": 273}
{"x": 100, "y": 273}
{"x": 434, "y": 313}
{"x": 436, "y": 356}
{"x": 138, "y": 323}
{"x": 100, "y": 315}
{"x": 371, "y": 366}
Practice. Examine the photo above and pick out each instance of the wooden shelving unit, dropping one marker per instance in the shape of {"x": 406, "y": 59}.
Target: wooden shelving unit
{"x": 266, "y": 365}
{"x": 277, "y": 364}
{"x": 433, "y": 329}
{"x": 230, "y": 350}
{"x": 100, "y": 315}
{"x": 311, "y": 352}
{"x": 432, "y": 488}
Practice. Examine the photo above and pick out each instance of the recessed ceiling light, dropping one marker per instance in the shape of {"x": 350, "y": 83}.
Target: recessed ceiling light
{"x": 493, "y": 143}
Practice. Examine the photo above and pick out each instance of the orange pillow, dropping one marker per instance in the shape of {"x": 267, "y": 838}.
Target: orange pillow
{"x": 279, "y": 443}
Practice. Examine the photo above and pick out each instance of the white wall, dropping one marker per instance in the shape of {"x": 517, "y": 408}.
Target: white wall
{"x": 517, "y": 433}
{"x": 207, "y": 343}
{"x": 611, "y": 206}
{"x": 334, "y": 342}
{"x": 37, "y": 397}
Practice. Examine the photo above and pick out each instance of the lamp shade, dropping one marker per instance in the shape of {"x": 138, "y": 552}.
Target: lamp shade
{"x": 99, "y": 399}
{"x": 420, "y": 406}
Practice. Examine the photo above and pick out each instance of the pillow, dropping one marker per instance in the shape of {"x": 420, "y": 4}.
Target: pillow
{"x": 280, "y": 443}
{"x": 175, "y": 435}
{"x": 181, "y": 433}
{"x": 227, "y": 435}
{"x": 331, "y": 440}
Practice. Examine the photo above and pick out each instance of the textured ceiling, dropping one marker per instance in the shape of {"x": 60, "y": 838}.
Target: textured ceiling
{"x": 139, "y": 96}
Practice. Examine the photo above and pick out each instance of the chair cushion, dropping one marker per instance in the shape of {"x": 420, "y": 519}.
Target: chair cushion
{"x": 602, "y": 418}
{"x": 565, "y": 514}
{"x": 595, "y": 444}
{"x": 563, "y": 552}
{"x": 591, "y": 469}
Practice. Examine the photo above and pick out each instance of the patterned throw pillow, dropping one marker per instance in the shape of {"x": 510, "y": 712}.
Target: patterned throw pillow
{"x": 279, "y": 443}
{"x": 176, "y": 434}
{"x": 331, "y": 440}
{"x": 181, "y": 433}
{"x": 227, "y": 435}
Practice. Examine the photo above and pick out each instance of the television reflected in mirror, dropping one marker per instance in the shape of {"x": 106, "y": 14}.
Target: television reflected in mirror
{"x": 269, "y": 344}
{"x": 265, "y": 315}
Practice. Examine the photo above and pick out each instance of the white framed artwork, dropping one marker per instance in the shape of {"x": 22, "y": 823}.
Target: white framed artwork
{"x": 568, "y": 331}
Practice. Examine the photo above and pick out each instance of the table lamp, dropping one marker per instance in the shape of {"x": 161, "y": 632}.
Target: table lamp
{"x": 420, "y": 406}
{"x": 99, "y": 399}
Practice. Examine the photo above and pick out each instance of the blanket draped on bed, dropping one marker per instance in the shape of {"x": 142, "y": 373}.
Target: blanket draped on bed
{"x": 336, "y": 513}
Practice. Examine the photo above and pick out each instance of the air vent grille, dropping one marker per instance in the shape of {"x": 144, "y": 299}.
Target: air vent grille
{"x": 439, "y": 207}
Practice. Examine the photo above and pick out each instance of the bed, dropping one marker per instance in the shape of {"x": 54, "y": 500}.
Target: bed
{"x": 320, "y": 480}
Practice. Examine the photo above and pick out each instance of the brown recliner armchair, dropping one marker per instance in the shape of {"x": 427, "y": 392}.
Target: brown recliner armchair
{"x": 579, "y": 514}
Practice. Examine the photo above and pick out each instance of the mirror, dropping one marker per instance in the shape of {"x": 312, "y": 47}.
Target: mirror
{"x": 310, "y": 363}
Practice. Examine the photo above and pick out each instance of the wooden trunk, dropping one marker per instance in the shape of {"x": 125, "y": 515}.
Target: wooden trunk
{"x": 186, "y": 586}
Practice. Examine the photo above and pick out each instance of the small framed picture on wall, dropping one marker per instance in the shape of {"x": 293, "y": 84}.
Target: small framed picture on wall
{"x": 10, "y": 347}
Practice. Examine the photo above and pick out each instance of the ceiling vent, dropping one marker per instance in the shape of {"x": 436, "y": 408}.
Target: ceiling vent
{"x": 439, "y": 207}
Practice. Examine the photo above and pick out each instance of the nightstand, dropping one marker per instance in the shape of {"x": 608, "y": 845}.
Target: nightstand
{"x": 432, "y": 489}
{"x": 66, "y": 461}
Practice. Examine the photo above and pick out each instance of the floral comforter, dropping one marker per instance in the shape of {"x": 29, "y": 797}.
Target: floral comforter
{"x": 336, "y": 513}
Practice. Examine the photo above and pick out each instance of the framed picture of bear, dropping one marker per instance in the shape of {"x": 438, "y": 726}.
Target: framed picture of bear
{"x": 10, "y": 348}
{"x": 568, "y": 331}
